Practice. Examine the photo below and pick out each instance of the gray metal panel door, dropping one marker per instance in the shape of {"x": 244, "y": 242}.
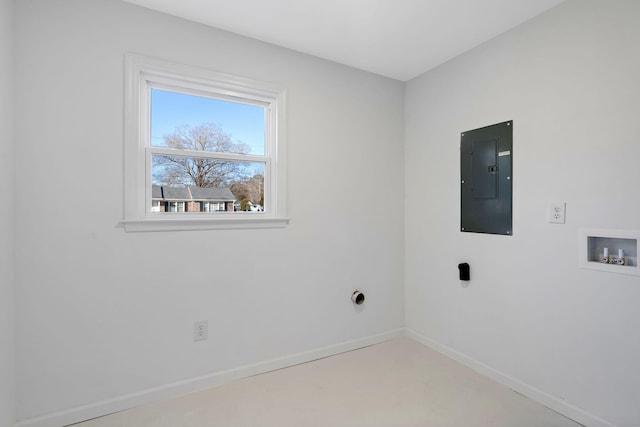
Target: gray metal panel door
{"x": 486, "y": 179}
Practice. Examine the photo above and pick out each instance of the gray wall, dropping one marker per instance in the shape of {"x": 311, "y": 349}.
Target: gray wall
{"x": 569, "y": 336}
{"x": 102, "y": 313}
{"x": 7, "y": 354}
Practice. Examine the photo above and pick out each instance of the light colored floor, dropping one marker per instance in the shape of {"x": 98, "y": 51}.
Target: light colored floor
{"x": 399, "y": 383}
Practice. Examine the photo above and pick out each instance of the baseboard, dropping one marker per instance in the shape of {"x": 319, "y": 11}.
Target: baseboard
{"x": 98, "y": 409}
{"x": 551, "y": 402}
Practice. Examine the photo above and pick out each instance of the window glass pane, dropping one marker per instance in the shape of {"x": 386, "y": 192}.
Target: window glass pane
{"x": 195, "y": 184}
{"x": 192, "y": 122}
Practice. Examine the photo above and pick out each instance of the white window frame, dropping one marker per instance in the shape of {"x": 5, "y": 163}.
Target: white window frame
{"x": 143, "y": 73}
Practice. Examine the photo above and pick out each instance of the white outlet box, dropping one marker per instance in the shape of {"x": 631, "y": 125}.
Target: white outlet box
{"x": 201, "y": 330}
{"x": 557, "y": 213}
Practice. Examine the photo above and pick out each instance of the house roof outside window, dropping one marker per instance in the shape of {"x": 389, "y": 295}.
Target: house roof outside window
{"x": 191, "y": 193}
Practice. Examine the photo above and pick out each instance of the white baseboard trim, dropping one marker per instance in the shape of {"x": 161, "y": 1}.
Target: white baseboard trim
{"x": 180, "y": 388}
{"x": 551, "y": 402}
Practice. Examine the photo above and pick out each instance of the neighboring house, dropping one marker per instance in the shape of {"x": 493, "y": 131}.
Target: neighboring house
{"x": 191, "y": 199}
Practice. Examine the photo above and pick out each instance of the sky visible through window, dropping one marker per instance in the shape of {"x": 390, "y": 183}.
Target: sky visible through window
{"x": 243, "y": 123}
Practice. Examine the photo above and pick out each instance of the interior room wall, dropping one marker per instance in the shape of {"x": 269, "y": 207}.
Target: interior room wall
{"x": 103, "y": 314}
{"x": 530, "y": 316}
{"x": 7, "y": 354}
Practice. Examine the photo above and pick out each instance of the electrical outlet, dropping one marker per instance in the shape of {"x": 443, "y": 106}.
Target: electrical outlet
{"x": 557, "y": 213}
{"x": 201, "y": 330}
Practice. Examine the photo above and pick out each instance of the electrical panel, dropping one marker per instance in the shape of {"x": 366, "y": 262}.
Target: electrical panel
{"x": 486, "y": 179}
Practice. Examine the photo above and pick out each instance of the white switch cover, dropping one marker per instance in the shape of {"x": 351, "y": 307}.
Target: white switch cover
{"x": 557, "y": 213}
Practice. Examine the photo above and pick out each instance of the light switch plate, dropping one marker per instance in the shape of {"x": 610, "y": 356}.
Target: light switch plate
{"x": 557, "y": 213}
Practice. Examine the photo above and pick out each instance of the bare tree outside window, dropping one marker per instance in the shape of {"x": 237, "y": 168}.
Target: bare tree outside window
{"x": 200, "y": 171}
{"x": 250, "y": 190}
{"x": 245, "y": 180}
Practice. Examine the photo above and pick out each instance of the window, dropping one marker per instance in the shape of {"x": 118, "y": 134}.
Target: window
{"x": 202, "y": 149}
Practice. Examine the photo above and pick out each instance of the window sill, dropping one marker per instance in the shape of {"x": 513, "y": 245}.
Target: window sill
{"x": 191, "y": 224}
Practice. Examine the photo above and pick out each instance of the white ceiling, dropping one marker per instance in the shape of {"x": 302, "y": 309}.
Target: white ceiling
{"x": 400, "y": 39}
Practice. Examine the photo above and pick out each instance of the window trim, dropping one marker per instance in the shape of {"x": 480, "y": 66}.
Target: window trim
{"x": 142, "y": 73}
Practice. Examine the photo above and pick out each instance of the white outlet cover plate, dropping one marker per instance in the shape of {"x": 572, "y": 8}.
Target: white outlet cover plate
{"x": 201, "y": 330}
{"x": 557, "y": 212}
